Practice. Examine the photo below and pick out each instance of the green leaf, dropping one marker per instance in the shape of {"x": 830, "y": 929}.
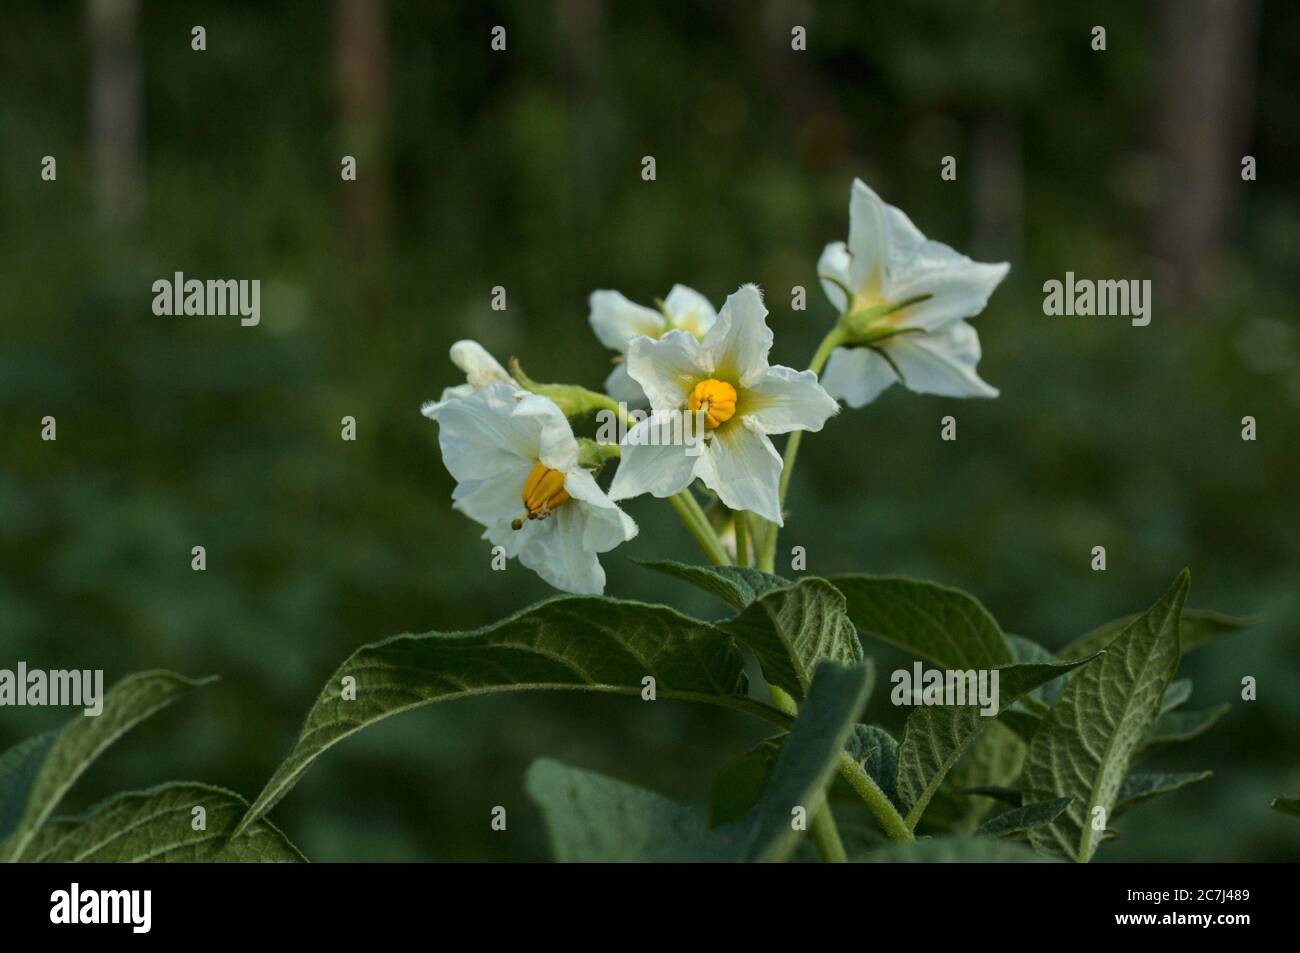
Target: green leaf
{"x": 936, "y": 735}
{"x": 1176, "y": 726}
{"x": 947, "y": 627}
{"x": 1086, "y": 742}
{"x": 1140, "y": 785}
{"x": 956, "y": 850}
{"x": 38, "y": 776}
{"x": 1286, "y": 805}
{"x": 157, "y": 825}
{"x": 570, "y": 643}
{"x": 594, "y": 818}
{"x": 794, "y": 629}
{"x": 1021, "y": 819}
{"x": 1176, "y": 694}
{"x": 737, "y": 586}
{"x": 877, "y": 751}
{"x": 993, "y": 760}
{"x": 740, "y": 782}
{"x": 18, "y": 769}
{"x": 1199, "y": 627}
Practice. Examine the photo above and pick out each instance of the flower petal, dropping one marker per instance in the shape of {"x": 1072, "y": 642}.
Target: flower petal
{"x": 555, "y": 552}
{"x": 833, "y": 271}
{"x": 607, "y": 525}
{"x": 941, "y": 363}
{"x": 857, "y": 375}
{"x": 617, "y": 321}
{"x": 690, "y": 310}
{"x": 959, "y": 288}
{"x": 650, "y": 462}
{"x": 480, "y": 367}
{"x": 868, "y": 240}
{"x": 494, "y": 504}
{"x": 736, "y": 347}
{"x": 667, "y": 369}
{"x": 785, "y": 399}
{"x": 556, "y": 446}
{"x": 743, "y": 468}
{"x": 479, "y": 436}
{"x": 620, "y": 386}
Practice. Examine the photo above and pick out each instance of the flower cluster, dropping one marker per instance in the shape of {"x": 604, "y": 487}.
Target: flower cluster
{"x": 530, "y": 482}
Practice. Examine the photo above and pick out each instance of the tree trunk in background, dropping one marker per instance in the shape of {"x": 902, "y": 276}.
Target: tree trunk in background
{"x": 997, "y": 187}
{"x": 1209, "y": 68}
{"x": 116, "y": 109}
{"x": 580, "y": 52}
{"x": 361, "y": 74}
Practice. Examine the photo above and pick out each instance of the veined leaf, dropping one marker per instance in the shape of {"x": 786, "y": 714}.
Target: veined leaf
{"x": 877, "y": 751}
{"x": 936, "y": 735}
{"x": 1199, "y": 627}
{"x": 1176, "y": 728}
{"x": 792, "y": 630}
{"x": 740, "y": 782}
{"x": 956, "y": 850}
{"x": 594, "y": 818}
{"x": 1172, "y": 727}
{"x": 1286, "y": 805}
{"x": 1140, "y": 785}
{"x": 573, "y": 643}
{"x": 737, "y": 586}
{"x": 1084, "y": 746}
{"x": 37, "y": 773}
{"x": 18, "y": 769}
{"x": 945, "y": 626}
{"x": 1020, "y": 819}
{"x": 157, "y": 825}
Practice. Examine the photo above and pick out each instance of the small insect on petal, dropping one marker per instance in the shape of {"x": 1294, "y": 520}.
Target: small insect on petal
{"x": 543, "y": 491}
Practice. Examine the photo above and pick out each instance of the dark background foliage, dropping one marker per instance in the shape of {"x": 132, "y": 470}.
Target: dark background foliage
{"x": 522, "y": 169}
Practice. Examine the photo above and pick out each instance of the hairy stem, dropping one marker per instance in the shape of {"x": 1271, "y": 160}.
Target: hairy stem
{"x": 698, "y": 525}
{"x": 880, "y": 805}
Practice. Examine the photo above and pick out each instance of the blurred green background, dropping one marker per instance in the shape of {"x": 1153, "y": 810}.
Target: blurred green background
{"x": 522, "y": 169}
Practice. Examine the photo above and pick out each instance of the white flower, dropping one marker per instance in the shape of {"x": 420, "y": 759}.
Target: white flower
{"x": 481, "y": 369}
{"x": 726, "y": 378}
{"x": 617, "y": 322}
{"x": 515, "y": 461}
{"x": 926, "y": 344}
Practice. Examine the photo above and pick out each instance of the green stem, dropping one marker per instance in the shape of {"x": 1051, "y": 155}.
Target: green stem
{"x": 698, "y": 525}
{"x": 870, "y": 792}
{"x": 767, "y": 558}
{"x": 742, "y": 539}
{"x": 827, "y": 836}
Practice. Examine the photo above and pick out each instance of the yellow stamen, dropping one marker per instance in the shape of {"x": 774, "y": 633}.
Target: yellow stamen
{"x": 543, "y": 492}
{"x": 716, "y": 398}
